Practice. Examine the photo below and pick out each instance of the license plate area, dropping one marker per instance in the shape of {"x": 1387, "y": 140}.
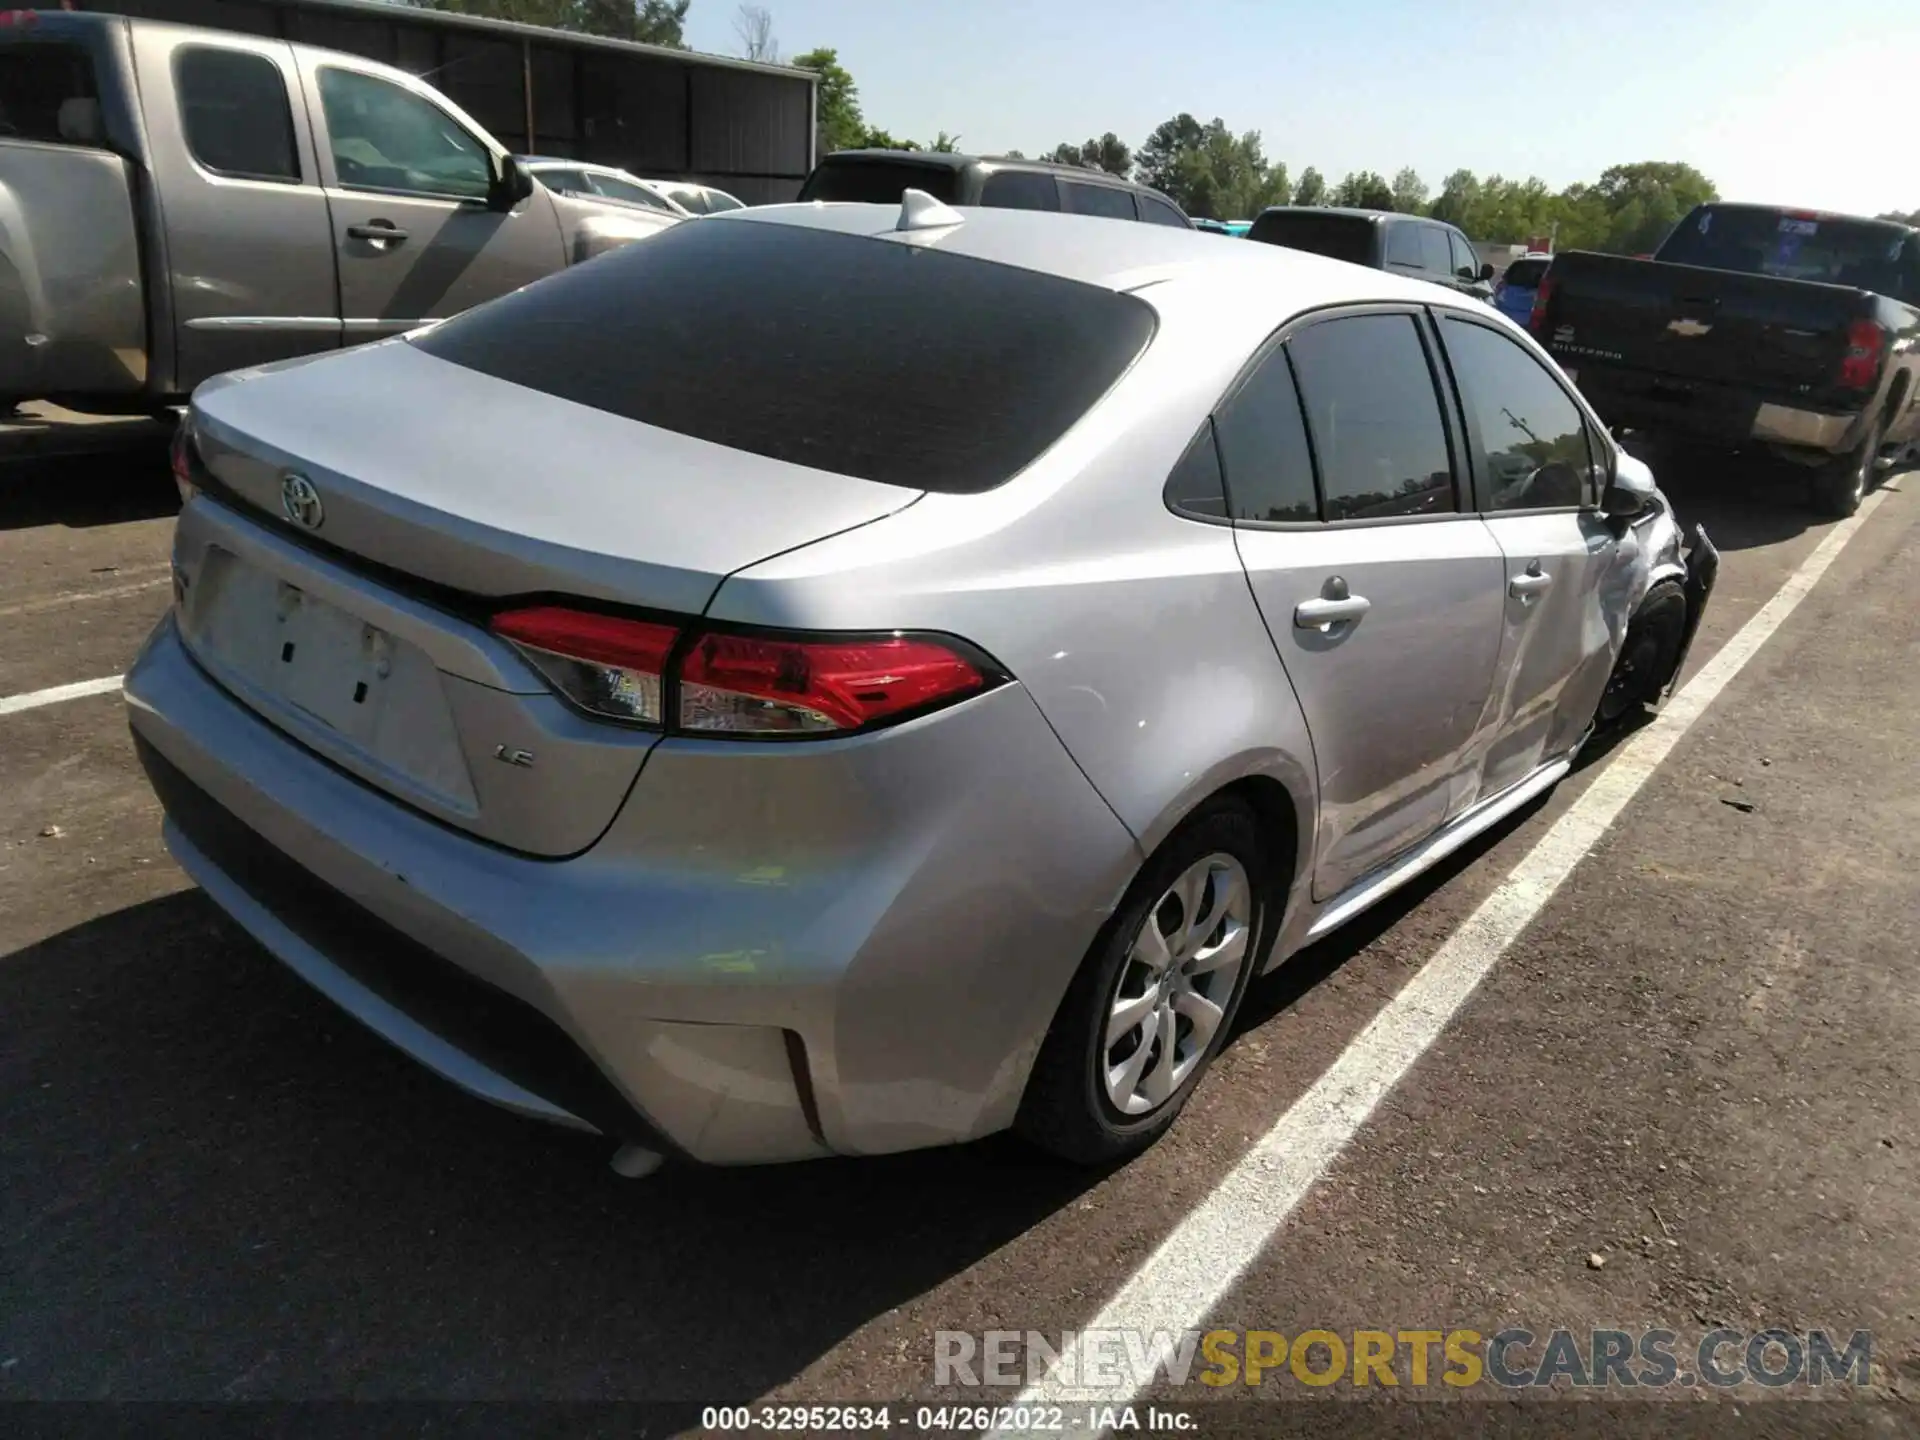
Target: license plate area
{"x": 340, "y": 684}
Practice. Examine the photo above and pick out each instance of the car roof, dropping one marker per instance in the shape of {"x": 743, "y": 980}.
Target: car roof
{"x": 1377, "y": 216}
{"x": 1113, "y": 254}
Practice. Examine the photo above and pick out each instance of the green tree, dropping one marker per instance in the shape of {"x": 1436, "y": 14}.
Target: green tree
{"x": 1364, "y": 190}
{"x": 1647, "y": 199}
{"x": 1409, "y": 192}
{"x": 945, "y": 144}
{"x": 1209, "y": 171}
{"x": 1456, "y": 202}
{"x": 874, "y": 138}
{"x": 842, "y": 127}
{"x": 1108, "y": 153}
{"x": 1312, "y": 189}
{"x": 1164, "y": 153}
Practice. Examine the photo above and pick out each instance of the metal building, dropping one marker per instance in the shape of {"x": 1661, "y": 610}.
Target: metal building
{"x": 666, "y": 114}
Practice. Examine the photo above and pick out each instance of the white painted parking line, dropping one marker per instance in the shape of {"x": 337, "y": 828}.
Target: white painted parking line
{"x": 75, "y": 597}
{"x": 34, "y": 699}
{"x": 1197, "y": 1264}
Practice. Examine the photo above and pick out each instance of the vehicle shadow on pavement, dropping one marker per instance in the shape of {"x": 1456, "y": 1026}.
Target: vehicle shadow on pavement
{"x": 81, "y": 491}
{"x": 219, "y": 1187}
{"x": 1747, "y": 501}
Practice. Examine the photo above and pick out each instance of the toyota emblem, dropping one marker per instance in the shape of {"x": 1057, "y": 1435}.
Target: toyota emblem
{"x": 300, "y": 502}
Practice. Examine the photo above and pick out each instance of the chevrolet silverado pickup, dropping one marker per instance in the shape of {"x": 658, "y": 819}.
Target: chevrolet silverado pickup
{"x": 1794, "y": 330}
{"x": 177, "y": 202}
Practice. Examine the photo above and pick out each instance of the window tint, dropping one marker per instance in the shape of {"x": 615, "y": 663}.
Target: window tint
{"x": 1435, "y": 255}
{"x": 625, "y": 190}
{"x": 1403, "y": 246}
{"x": 1195, "y": 487}
{"x": 897, "y": 363}
{"x": 1531, "y": 438}
{"x": 387, "y": 138}
{"x": 233, "y": 107}
{"x": 719, "y": 202}
{"x": 1020, "y": 190}
{"x": 1465, "y": 262}
{"x": 1373, "y": 416}
{"x": 47, "y": 93}
{"x": 1525, "y": 273}
{"x": 1757, "y": 240}
{"x": 564, "y": 182}
{"x": 1263, "y": 445}
{"x": 878, "y": 182}
{"x": 1341, "y": 237}
{"x": 690, "y": 198}
{"x": 1107, "y": 200}
{"x": 1159, "y": 212}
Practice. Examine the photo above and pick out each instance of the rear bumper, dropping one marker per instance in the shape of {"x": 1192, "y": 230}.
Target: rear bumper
{"x": 853, "y": 949}
{"x": 1718, "y": 414}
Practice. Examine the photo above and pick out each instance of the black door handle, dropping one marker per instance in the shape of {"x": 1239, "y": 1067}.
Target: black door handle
{"x": 377, "y": 230}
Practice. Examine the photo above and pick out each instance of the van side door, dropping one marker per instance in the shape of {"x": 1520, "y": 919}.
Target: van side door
{"x": 407, "y": 177}
{"x": 249, "y": 249}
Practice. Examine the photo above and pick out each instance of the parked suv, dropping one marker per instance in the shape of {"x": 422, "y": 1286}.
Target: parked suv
{"x": 1409, "y": 245}
{"x": 876, "y": 177}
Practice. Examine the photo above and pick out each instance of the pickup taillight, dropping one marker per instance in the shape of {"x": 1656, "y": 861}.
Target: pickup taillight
{"x": 1542, "y": 297}
{"x": 1866, "y": 347}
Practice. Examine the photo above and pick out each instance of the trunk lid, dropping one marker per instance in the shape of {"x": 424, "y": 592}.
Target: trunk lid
{"x": 441, "y": 493}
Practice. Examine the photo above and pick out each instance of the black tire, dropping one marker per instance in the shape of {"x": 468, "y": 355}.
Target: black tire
{"x": 1066, "y": 1109}
{"x": 1647, "y": 656}
{"x": 1838, "y": 487}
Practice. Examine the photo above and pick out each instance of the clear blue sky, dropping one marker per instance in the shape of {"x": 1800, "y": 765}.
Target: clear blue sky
{"x": 1803, "y": 103}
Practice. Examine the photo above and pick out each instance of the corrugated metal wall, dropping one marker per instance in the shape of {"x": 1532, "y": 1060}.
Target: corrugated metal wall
{"x": 744, "y": 131}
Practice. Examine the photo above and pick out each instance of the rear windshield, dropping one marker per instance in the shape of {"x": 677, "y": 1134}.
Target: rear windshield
{"x": 865, "y": 357}
{"x": 879, "y": 182}
{"x": 47, "y": 93}
{"x": 1342, "y": 237}
{"x": 1789, "y": 247}
{"x": 1526, "y": 273}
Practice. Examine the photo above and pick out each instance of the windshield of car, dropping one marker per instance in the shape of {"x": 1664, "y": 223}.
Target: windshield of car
{"x": 1525, "y": 273}
{"x": 896, "y": 363}
{"x": 1341, "y": 237}
{"x": 1789, "y": 246}
{"x": 879, "y": 182}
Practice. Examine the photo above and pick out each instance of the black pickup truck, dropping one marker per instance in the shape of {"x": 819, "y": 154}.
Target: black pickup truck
{"x": 1752, "y": 325}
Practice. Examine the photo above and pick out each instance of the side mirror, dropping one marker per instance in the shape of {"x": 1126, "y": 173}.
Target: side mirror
{"x": 1630, "y": 490}
{"x": 1486, "y": 270}
{"x": 512, "y": 183}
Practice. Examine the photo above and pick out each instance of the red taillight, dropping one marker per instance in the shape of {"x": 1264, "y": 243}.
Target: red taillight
{"x": 180, "y": 456}
{"x": 1866, "y": 346}
{"x": 749, "y": 684}
{"x": 603, "y": 663}
{"x": 1537, "y": 318}
{"x": 737, "y": 684}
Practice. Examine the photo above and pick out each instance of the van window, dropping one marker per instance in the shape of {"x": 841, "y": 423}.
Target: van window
{"x": 1107, "y": 200}
{"x": 1020, "y": 190}
{"x": 1159, "y": 212}
{"x": 1340, "y": 237}
{"x": 897, "y": 363}
{"x": 878, "y": 181}
{"x": 1434, "y": 254}
{"x": 1403, "y": 246}
{"x": 47, "y": 94}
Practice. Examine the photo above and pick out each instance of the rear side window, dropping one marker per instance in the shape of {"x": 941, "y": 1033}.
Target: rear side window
{"x": 1374, "y": 418}
{"x": 1195, "y": 486}
{"x": 1526, "y": 273}
{"x": 1340, "y": 237}
{"x": 1107, "y": 200}
{"x": 47, "y": 93}
{"x": 233, "y": 107}
{"x": 1531, "y": 437}
{"x": 875, "y": 182}
{"x": 1020, "y": 190}
{"x": 896, "y": 363}
{"x": 1263, "y": 445}
{"x": 1159, "y": 212}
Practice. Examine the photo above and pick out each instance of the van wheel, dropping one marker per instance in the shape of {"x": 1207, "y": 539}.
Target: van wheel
{"x": 1157, "y": 994}
{"x": 1645, "y": 664}
{"x": 1838, "y": 487}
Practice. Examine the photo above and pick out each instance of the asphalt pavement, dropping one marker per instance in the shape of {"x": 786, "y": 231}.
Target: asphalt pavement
{"x": 1695, "y": 1067}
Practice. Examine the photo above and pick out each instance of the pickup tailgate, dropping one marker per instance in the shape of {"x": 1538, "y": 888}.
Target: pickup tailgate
{"x": 72, "y": 315}
{"x": 1774, "y": 335}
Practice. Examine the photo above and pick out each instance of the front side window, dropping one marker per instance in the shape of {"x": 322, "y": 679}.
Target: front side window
{"x": 1531, "y": 438}
{"x": 627, "y": 192}
{"x": 1403, "y": 246}
{"x": 1106, "y": 200}
{"x": 1374, "y": 418}
{"x": 564, "y": 182}
{"x": 384, "y": 137}
{"x": 1019, "y": 190}
{"x": 1465, "y": 263}
{"x": 719, "y": 202}
{"x": 234, "y": 112}
{"x": 1435, "y": 256}
{"x": 1263, "y": 447}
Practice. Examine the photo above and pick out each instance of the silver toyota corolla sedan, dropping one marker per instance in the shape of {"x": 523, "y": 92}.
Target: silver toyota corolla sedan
{"x": 836, "y": 679}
